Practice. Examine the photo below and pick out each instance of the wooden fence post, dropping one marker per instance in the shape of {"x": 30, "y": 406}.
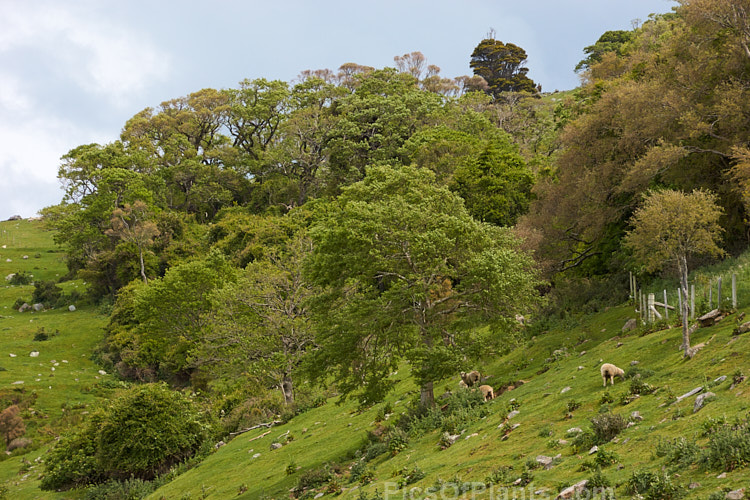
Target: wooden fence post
{"x": 666, "y": 306}
{"x": 734, "y": 291}
{"x": 692, "y": 301}
{"x": 651, "y": 308}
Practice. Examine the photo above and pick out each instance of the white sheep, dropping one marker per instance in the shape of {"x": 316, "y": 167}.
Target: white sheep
{"x": 610, "y": 371}
{"x": 487, "y": 392}
{"x": 470, "y": 378}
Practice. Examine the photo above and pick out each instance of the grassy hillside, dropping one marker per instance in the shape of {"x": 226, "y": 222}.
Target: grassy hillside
{"x": 321, "y": 446}
{"x": 56, "y": 387}
{"x": 328, "y": 437}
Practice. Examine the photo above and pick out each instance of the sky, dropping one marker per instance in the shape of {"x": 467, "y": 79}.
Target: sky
{"x": 72, "y": 72}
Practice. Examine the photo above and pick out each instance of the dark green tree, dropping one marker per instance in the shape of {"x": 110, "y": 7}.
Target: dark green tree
{"x": 502, "y": 66}
{"x": 407, "y": 274}
{"x": 610, "y": 41}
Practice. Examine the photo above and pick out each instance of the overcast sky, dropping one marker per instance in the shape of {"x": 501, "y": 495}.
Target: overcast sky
{"x": 73, "y": 71}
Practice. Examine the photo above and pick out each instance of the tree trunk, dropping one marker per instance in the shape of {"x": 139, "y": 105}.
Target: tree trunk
{"x": 287, "y": 389}
{"x": 684, "y": 308}
{"x": 143, "y": 267}
{"x": 427, "y": 396}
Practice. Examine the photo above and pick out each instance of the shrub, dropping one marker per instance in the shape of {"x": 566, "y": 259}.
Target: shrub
{"x": 46, "y": 292}
{"x": 410, "y": 475}
{"x": 169, "y": 426}
{"x": 11, "y": 424}
{"x": 606, "y": 398}
{"x": 728, "y": 447}
{"x": 604, "y": 458}
{"x": 711, "y": 425}
{"x": 361, "y": 473}
{"x": 598, "y": 480}
{"x": 501, "y": 475}
{"x": 678, "y": 451}
{"x": 573, "y": 405}
{"x": 313, "y": 479}
{"x": 121, "y": 490}
{"x": 638, "y": 386}
{"x": 20, "y": 278}
{"x": 607, "y": 425}
{"x": 653, "y": 486}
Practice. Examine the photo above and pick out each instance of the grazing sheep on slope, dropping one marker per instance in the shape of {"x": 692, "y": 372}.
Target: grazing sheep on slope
{"x": 487, "y": 392}
{"x": 470, "y": 378}
{"x": 610, "y": 371}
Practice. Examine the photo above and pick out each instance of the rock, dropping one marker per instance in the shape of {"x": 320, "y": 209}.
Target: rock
{"x": 319, "y": 495}
{"x": 102, "y": 372}
{"x": 8, "y": 260}
{"x": 38, "y": 307}
{"x": 630, "y": 324}
{"x": 634, "y": 362}
{"x": 512, "y": 414}
{"x": 593, "y": 450}
{"x": 12, "y": 355}
{"x": 34, "y": 354}
{"x": 573, "y": 491}
{"x": 12, "y": 218}
{"x": 700, "y": 400}
{"x": 71, "y": 308}
{"x": 25, "y": 257}
{"x": 451, "y": 438}
{"x": 580, "y": 368}
{"x": 565, "y": 389}
{"x": 723, "y": 475}
{"x": 10, "y": 276}
{"x": 256, "y": 455}
{"x": 17, "y": 382}
{"x": 630, "y": 424}
{"x": 515, "y": 426}
{"x": 709, "y": 318}
{"x": 636, "y": 415}
{"x": 24, "y": 307}
{"x": 719, "y": 380}
{"x": 219, "y": 444}
{"x": 545, "y": 461}
{"x": 693, "y": 486}
{"x": 275, "y": 446}
{"x": 583, "y": 352}
{"x": 743, "y": 328}
{"x": 575, "y": 430}
{"x": 505, "y": 437}
{"x": 471, "y": 436}
{"x": 619, "y": 344}
{"x": 688, "y": 394}
{"x": 736, "y": 494}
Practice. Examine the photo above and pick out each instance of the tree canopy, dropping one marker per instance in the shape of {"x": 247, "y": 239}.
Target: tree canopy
{"x": 502, "y": 66}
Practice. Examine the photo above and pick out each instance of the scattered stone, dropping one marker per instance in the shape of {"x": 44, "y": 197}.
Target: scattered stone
{"x": 575, "y": 430}
{"x": 636, "y": 415}
{"x": 710, "y": 318}
{"x": 17, "y": 382}
{"x": 743, "y": 328}
{"x": 583, "y": 352}
{"x": 629, "y": 325}
{"x": 102, "y": 372}
{"x": 692, "y": 351}
{"x": 471, "y": 436}
{"x": 12, "y": 355}
{"x": 513, "y": 414}
{"x": 693, "y": 486}
{"x": 688, "y": 394}
{"x": 10, "y": 276}
{"x": 505, "y": 437}
{"x": 25, "y": 257}
{"x": 219, "y": 444}
{"x": 8, "y": 260}
{"x": 24, "y": 307}
{"x": 565, "y": 389}
{"x": 700, "y": 400}
{"x": 515, "y": 426}
{"x": 71, "y": 308}
{"x": 723, "y": 475}
{"x": 256, "y": 455}
{"x": 573, "y": 491}
{"x": 634, "y": 362}
{"x": 275, "y": 446}
{"x": 545, "y": 461}
{"x": 593, "y": 450}
{"x": 38, "y": 307}
{"x": 451, "y": 438}
{"x": 34, "y": 354}
{"x": 720, "y": 379}
{"x": 619, "y": 344}
{"x": 736, "y": 494}
{"x": 580, "y": 368}
{"x": 319, "y": 495}
{"x": 630, "y": 424}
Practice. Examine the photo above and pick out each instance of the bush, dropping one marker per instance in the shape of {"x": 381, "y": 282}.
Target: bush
{"x": 605, "y": 458}
{"x": 47, "y": 293}
{"x": 678, "y": 451}
{"x": 606, "y": 426}
{"x": 653, "y": 486}
{"x": 11, "y": 424}
{"x": 169, "y": 429}
{"x": 728, "y": 447}
{"x": 20, "y": 278}
{"x": 129, "y": 489}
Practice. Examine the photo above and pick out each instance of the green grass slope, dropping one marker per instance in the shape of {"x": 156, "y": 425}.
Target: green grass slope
{"x": 59, "y": 384}
{"x": 248, "y": 467}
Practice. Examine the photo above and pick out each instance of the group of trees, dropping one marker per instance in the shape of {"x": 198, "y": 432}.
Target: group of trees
{"x": 366, "y": 217}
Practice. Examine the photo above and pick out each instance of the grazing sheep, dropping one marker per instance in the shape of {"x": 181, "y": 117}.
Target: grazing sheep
{"x": 610, "y": 371}
{"x": 470, "y": 378}
{"x": 487, "y": 392}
